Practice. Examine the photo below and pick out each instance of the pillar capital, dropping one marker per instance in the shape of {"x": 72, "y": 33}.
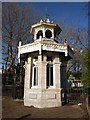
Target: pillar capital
{"x": 29, "y": 59}
{"x": 39, "y": 58}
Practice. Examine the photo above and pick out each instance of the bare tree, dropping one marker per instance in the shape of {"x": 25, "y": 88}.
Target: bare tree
{"x": 16, "y": 22}
{"x": 77, "y": 38}
{"x": 17, "y": 19}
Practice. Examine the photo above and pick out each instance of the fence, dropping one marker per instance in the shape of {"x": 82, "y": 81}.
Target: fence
{"x": 15, "y": 91}
{"x": 75, "y": 95}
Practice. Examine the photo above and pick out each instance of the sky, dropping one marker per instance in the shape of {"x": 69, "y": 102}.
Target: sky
{"x": 69, "y": 13}
{"x": 73, "y": 14}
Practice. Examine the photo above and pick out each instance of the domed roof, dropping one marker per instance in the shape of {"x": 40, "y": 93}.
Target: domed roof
{"x": 47, "y": 22}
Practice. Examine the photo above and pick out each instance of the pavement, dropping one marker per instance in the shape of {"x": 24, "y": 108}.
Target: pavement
{"x": 16, "y": 109}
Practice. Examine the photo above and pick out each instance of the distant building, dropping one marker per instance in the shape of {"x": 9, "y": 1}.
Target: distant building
{"x": 45, "y": 66}
{"x": 75, "y": 82}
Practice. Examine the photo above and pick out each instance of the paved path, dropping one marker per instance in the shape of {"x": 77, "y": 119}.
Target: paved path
{"x": 16, "y": 109}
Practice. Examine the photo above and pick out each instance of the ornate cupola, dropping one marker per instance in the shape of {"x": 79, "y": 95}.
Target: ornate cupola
{"x": 45, "y": 66}
{"x": 45, "y": 30}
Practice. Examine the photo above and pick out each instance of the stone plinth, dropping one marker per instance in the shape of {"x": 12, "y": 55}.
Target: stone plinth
{"x": 42, "y": 98}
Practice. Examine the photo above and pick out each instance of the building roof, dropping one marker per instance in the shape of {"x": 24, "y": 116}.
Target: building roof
{"x": 46, "y": 22}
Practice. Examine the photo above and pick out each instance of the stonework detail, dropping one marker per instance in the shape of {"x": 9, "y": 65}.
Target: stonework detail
{"x": 45, "y": 75}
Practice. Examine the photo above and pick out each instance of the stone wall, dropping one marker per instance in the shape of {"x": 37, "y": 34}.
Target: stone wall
{"x": 42, "y": 98}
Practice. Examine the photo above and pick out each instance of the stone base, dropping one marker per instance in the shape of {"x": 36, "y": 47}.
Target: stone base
{"x": 42, "y": 98}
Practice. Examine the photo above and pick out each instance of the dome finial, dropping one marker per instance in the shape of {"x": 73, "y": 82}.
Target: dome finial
{"x": 46, "y": 13}
{"x": 46, "y": 16}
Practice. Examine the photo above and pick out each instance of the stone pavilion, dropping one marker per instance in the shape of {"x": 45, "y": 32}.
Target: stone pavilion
{"x": 45, "y": 66}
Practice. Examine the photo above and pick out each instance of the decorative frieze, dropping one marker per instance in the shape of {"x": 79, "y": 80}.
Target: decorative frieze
{"x": 49, "y": 46}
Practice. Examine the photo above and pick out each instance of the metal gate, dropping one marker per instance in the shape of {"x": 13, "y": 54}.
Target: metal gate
{"x": 75, "y": 95}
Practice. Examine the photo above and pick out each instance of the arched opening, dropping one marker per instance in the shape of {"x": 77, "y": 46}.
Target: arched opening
{"x": 48, "y": 34}
{"x": 40, "y": 33}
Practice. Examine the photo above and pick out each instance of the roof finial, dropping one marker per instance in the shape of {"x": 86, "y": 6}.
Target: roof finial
{"x": 46, "y": 13}
{"x": 46, "y": 16}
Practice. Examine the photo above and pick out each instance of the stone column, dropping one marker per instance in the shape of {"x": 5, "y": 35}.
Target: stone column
{"x": 52, "y": 33}
{"x": 35, "y": 35}
{"x": 44, "y": 72}
{"x": 41, "y": 72}
{"x": 28, "y": 73}
{"x": 57, "y": 79}
{"x": 43, "y": 32}
{"x": 56, "y": 72}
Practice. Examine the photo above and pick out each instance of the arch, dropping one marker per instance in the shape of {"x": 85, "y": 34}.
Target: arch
{"x": 48, "y": 34}
{"x": 40, "y": 33}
